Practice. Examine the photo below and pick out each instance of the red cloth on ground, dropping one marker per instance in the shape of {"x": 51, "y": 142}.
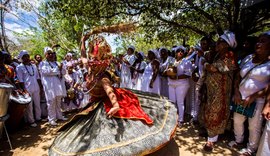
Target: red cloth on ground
{"x": 129, "y": 106}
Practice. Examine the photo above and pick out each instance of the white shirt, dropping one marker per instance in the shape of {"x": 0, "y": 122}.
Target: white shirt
{"x": 257, "y": 79}
{"x": 52, "y": 84}
{"x": 184, "y": 67}
{"x": 28, "y": 74}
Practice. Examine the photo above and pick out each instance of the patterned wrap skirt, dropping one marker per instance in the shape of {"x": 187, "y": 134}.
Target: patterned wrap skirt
{"x": 92, "y": 133}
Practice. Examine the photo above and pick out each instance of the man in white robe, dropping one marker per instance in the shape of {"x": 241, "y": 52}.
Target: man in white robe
{"x": 51, "y": 80}
{"x": 28, "y": 76}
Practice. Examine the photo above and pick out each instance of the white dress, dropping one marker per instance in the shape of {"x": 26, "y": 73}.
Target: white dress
{"x": 125, "y": 72}
{"x": 164, "y": 88}
{"x": 146, "y": 78}
{"x": 137, "y": 77}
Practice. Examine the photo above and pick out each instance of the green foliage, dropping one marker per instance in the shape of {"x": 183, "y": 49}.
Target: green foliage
{"x": 32, "y": 41}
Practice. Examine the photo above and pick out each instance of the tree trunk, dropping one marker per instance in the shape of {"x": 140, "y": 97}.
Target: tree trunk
{"x": 3, "y": 33}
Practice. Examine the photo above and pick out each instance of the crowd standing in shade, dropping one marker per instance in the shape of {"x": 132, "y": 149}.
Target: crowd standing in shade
{"x": 204, "y": 81}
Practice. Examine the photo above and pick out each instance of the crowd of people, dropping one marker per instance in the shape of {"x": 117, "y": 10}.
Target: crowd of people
{"x": 206, "y": 81}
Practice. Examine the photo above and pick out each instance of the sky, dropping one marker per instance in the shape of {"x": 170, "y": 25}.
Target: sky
{"x": 19, "y": 20}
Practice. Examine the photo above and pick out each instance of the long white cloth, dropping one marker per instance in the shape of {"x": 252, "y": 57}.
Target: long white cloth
{"x": 125, "y": 72}
{"x": 164, "y": 88}
{"x": 147, "y": 77}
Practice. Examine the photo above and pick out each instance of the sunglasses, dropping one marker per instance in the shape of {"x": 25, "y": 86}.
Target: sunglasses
{"x": 51, "y": 53}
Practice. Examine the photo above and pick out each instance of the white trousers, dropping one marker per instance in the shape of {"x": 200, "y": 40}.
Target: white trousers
{"x": 264, "y": 148}
{"x": 35, "y": 104}
{"x": 177, "y": 94}
{"x": 54, "y": 108}
{"x": 254, "y": 126}
{"x": 196, "y": 105}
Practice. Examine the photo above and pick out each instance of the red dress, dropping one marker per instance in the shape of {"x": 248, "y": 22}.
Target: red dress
{"x": 129, "y": 106}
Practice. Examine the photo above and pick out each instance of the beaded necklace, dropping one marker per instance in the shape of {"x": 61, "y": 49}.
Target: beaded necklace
{"x": 28, "y": 70}
{"x": 50, "y": 64}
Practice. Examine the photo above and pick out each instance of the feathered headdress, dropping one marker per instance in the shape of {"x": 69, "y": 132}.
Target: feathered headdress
{"x": 99, "y": 49}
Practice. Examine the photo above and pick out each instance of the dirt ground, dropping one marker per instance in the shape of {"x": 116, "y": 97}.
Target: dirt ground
{"x": 29, "y": 141}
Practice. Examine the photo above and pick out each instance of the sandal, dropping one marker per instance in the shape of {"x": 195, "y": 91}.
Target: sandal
{"x": 208, "y": 147}
{"x": 234, "y": 144}
{"x": 245, "y": 152}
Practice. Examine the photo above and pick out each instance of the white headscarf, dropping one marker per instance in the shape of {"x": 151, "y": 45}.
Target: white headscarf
{"x": 163, "y": 48}
{"x": 46, "y": 49}
{"x": 229, "y": 37}
{"x": 131, "y": 47}
{"x": 21, "y": 54}
{"x": 156, "y": 52}
{"x": 198, "y": 47}
{"x": 69, "y": 54}
{"x": 141, "y": 53}
{"x": 180, "y": 48}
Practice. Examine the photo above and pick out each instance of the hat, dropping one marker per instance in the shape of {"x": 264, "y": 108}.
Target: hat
{"x": 229, "y": 37}
{"x": 46, "y": 49}
{"x": 131, "y": 47}
{"x": 22, "y": 53}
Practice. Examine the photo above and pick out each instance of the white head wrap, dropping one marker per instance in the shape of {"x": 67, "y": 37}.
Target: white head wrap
{"x": 21, "y": 54}
{"x": 69, "y": 54}
{"x": 198, "y": 47}
{"x": 180, "y": 48}
{"x": 163, "y": 48}
{"x": 46, "y": 49}
{"x": 156, "y": 52}
{"x": 131, "y": 47}
{"x": 141, "y": 53}
{"x": 229, "y": 37}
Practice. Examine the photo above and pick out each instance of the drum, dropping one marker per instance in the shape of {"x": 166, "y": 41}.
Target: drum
{"x": 5, "y": 90}
{"x": 17, "y": 104}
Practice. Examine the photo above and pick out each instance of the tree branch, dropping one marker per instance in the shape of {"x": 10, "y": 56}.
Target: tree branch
{"x": 173, "y": 23}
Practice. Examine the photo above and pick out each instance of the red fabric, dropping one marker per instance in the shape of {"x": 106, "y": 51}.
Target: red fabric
{"x": 129, "y": 106}
{"x": 95, "y": 52}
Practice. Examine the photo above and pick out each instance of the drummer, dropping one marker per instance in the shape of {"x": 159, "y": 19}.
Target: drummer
{"x": 30, "y": 81}
{"x": 7, "y": 74}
